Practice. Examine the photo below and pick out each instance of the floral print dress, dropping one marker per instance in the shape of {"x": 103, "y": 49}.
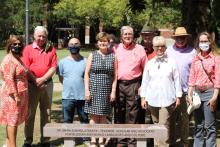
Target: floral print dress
{"x": 14, "y": 76}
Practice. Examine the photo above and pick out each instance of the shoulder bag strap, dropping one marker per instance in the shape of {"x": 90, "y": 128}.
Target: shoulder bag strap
{"x": 209, "y": 76}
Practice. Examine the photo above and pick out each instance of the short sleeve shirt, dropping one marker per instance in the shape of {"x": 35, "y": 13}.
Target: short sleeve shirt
{"x": 72, "y": 72}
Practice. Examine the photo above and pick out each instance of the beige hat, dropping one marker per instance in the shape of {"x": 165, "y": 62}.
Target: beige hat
{"x": 180, "y": 31}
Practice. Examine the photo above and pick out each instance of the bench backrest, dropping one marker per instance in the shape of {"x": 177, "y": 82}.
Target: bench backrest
{"x": 105, "y": 130}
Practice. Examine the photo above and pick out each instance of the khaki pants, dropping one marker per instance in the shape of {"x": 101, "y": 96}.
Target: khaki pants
{"x": 43, "y": 97}
{"x": 163, "y": 116}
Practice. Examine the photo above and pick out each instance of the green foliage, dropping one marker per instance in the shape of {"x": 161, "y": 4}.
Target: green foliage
{"x": 116, "y": 13}
{"x": 161, "y": 15}
{"x": 11, "y": 18}
{"x": 65, "y": 10}
{"x": 216, "y": 12}
{"x": 78, "y": 12}
{"x": 167, "y": 17}
{"x": 137, "y": 6}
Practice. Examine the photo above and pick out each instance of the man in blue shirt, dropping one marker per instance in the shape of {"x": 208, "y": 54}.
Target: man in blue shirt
{"x": 71, "y": 74}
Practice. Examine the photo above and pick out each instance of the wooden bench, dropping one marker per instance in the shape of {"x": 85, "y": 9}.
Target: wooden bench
{"x": 71, "y": 131}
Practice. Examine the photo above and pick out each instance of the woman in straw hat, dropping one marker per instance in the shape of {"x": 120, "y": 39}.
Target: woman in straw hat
{"x": 205, "y": 79}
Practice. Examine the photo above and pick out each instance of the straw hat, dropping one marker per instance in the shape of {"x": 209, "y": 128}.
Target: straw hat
{"x": 180, "y": 31}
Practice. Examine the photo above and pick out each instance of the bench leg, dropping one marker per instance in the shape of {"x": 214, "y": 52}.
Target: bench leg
{"x": 142, "y": 142}
{"x": 69, "y": 142}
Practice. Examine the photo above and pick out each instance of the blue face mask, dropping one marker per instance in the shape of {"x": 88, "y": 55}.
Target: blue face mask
{"x": 74, "y": 49}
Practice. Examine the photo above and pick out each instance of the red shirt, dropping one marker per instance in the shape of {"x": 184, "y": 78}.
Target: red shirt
{"x": 198, "y": 77}
{"x": 151, "y": 55}
{"x": 38, "y": 61}
{"x": 130, "y": 61}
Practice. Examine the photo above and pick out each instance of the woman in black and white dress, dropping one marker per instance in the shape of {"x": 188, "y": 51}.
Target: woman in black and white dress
{"x": 100, "y": 83}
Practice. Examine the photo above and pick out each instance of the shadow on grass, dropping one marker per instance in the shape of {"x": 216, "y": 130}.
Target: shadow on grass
{"x": 54, "y": 143}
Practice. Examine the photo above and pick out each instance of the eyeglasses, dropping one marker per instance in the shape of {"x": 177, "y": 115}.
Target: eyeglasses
{"x": 158, "y": 47}
{"x": 128, "y": 34}
{"x": 16, "y": 44}
{"x": 204, "y": 41}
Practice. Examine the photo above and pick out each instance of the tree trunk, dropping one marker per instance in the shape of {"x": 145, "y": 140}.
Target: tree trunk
{"x": 196, "y": 16}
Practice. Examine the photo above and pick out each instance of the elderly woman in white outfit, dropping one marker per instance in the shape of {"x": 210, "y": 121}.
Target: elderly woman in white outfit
{"x": 160, "y": 88}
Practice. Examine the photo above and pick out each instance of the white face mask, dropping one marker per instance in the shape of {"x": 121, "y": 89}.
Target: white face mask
{"x": 204, "y": 46}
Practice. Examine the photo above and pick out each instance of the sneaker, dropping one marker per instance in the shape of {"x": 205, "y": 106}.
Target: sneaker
{"x": 26, "y": 145}
{"x": 4, "y": 145}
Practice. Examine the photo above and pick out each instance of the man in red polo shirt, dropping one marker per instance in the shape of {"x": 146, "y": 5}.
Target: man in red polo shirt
{"x": 41, "y": 60}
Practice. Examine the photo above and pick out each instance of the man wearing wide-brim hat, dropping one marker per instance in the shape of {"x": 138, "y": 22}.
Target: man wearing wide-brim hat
{"x": 180, "y": 31}
{"x": 147, "y": 34}
{"x": 183, "y": 54}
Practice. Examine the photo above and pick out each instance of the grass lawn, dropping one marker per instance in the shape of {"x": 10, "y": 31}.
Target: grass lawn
{"x": 56, "y": 114}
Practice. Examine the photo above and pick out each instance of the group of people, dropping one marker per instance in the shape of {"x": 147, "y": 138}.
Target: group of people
{"x": 134, "y": 78}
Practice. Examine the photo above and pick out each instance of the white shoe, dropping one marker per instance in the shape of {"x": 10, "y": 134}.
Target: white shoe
{"x": 4, "y": 145}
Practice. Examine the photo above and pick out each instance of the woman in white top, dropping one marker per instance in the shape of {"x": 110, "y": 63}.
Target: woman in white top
{"x": 161, "y": 88}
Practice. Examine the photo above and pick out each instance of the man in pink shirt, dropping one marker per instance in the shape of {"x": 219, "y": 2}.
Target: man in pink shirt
{"x": 130, "y": 59}
{"x": 41, "y": 60}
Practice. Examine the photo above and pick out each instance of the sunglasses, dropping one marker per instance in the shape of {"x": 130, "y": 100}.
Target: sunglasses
{"x": 16, "y": 44}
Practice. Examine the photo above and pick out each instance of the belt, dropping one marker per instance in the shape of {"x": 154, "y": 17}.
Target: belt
{"x": 127, "y": 82}
{"x": 203, "y": 88}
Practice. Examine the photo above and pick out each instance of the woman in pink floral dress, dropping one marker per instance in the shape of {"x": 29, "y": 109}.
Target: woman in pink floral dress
{"x": 13, "y": 92}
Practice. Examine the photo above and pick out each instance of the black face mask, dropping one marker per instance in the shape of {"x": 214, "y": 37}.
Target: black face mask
{"x": 74, "y": 49}
{"x": 16, "y": 49}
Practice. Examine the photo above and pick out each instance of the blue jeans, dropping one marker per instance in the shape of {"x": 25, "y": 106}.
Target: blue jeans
{"x": 69, "y": 106}
{"x": 205, "y": 121}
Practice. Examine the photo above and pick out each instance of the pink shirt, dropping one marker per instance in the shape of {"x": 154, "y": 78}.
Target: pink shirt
{"x": 198, "y": 77}
{"x": 130, "y": 61}
{"x": 38, "y": 61}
